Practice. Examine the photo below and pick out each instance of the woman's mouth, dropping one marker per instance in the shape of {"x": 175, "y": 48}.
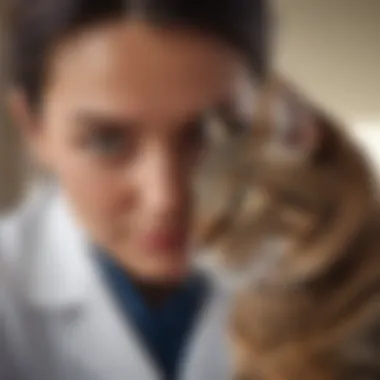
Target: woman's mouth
{"x": 164, "y": 241}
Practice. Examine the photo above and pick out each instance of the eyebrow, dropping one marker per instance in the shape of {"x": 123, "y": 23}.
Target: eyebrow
{"x": 94, "y": 120}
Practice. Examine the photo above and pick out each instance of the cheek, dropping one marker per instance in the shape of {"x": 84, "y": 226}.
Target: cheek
{"x": 100, "y": 191}
{"x": 102, "y": 203}
{"x": 77, "y": 167}
{"x": 104, "y": 192}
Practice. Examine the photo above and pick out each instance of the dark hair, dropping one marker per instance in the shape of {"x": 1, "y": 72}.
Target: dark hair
{"x": 39, "y": 24}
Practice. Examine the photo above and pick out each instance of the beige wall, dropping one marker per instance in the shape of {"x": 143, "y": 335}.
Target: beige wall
{"x": 332, "y": 48}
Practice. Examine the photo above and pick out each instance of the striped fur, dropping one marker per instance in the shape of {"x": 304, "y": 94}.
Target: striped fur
{"x": 310, "y": 308}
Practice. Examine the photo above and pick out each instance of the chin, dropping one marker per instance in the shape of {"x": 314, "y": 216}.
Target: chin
{"x": 171, "y": 273}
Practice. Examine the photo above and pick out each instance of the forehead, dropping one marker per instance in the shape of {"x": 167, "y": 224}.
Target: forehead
{"x": 132, "y": 66}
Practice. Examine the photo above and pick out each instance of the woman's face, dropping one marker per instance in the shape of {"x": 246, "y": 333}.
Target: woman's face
{"x": 121, "y": 128}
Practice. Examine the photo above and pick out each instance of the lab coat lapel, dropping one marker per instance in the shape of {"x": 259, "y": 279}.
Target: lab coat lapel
{"x": 108, "y": 344}
{"x": 207, "y": 356}
{"x": 86, "y": 332}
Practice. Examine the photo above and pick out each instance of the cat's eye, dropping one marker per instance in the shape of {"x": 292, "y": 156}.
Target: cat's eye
{"x": 294, "y": 200}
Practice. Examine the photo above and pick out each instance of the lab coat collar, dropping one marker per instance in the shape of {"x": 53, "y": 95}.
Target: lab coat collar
{"x": 58, "y": 267}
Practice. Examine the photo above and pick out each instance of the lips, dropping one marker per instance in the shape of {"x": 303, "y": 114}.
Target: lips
{"x": 164, "y": 241}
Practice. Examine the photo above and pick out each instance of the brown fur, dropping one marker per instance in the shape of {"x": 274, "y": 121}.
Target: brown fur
{"x": 313, "y": 310}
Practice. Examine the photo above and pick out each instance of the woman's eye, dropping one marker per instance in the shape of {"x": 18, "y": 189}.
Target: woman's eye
{"x": 108, "y": 142}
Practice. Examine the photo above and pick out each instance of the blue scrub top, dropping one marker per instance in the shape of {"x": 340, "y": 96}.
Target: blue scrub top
{"x": 163, "y": 329}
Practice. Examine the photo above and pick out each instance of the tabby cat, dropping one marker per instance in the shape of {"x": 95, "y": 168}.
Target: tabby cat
{"x": 289, "y": 206}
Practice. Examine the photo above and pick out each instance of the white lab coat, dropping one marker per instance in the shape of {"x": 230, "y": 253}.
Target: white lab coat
{"x": 58, "y": 321}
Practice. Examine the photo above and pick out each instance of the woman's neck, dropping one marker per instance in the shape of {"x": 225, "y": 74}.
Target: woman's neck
{"x": 155, "y": 294}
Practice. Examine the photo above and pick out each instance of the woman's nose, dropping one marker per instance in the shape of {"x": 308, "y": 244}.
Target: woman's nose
{"x": 162, "y": 184}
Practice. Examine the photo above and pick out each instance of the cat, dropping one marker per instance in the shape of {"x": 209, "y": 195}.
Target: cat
{"x": 289, "y": 205}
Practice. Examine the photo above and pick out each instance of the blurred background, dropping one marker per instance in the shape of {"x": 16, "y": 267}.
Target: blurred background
{"x": 329, "y": 48}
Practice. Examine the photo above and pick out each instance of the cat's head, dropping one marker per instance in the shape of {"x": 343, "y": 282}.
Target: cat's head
{"x": 272, "y": 192}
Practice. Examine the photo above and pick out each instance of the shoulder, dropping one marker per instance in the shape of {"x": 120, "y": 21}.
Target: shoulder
{"x": 19, "y": 232}
{"x": 17, "y": 228}
{"x": 15, "y": 232}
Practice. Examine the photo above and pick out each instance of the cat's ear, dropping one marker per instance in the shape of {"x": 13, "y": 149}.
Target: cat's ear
{"x": 238, "y": 113}
{"x": 301, "y": 128}
{"x": 295, "y": 125}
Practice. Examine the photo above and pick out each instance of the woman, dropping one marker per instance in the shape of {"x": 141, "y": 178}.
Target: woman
{"x": 111, "y": 97}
